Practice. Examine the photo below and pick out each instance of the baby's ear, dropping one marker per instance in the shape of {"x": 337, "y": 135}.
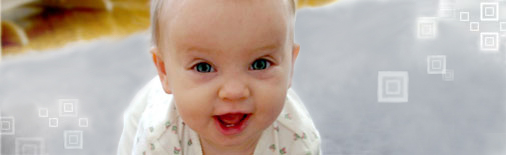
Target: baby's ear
{"x": 160, "y": 67}
{"x": 295, "y": 53}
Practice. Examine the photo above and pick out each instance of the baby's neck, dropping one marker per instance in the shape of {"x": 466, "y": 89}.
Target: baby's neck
{"x": 248, "y": 147}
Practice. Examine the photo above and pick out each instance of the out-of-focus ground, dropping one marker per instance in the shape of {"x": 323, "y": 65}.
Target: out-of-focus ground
{"x": 343, "y": 46}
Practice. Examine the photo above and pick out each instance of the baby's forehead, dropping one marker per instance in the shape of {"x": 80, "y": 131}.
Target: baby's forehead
{"x": 230, "y": 25}
{"x": 223, "y": 16}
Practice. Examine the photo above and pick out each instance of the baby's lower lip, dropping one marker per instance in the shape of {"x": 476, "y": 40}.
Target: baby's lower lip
{"x": 231, "y": 130}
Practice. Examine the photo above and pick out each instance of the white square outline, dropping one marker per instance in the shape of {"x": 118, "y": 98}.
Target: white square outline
{"x": 421, "y": 26}
{"x": 477, "y": 25}
{"x": 6, "y": 125}
{"x": 464, "y": 19}
{"x": 63, "y": 102}
{"x": 492, "y": 11}
{"x": 430, "y": 67}
{"x": 449, "y": 75}
{"x": 483, "y": 45}
{"x": 68, "y": 107}
{"x": 502, "y": 26}
{"x": 83, "y": 120}
{"x": 397, "y": 74}
{"x": 22, "y": 141}
{"x": 388, "y": 84}
{"x": 484, "y": 8}
{"x": 11, "y": 130}
{"x": 43, "y": 112}
{"x": 489, "y": 41}
{"x": 51, "y": 124}
{"x": 66, "y": 136}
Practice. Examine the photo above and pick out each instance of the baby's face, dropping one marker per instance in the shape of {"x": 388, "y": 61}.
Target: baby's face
{"x": 229, "y": 65}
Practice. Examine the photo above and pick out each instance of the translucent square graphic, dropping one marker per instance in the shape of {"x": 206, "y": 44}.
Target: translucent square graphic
{"x": 502, "y": 26}
{"x": 53, "y": 122}
{"x": 489, "y": 11}
{"x": 393, "y": 86}
{"x": 449, "y": 75}
{"x": 464, "y": 16}
{"x": 474, "y": 26}
{"x": 436, "y": 64}
{"x": 426, "y": 28}
{"x": 29, "y": 146}
{"x": 68, "y": 107}
{"x": 73, "y": 139}
{"x": 489, "y": 41}
{"x": 43, "y": 112}
{"x": 83, "y": 122}
{"x": 7, "y": 125}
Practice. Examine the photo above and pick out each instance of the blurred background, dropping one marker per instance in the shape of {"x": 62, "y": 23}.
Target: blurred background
{"x": 68, "y": 70}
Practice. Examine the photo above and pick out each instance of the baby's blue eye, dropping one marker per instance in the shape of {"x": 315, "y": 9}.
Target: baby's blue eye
{"x": 204, "y": 68}
{"x": 260, "y": 64}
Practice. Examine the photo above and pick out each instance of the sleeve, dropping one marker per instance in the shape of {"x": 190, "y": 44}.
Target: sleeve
{"x": 131, "y": 119}
{"x": 297, "y": 132}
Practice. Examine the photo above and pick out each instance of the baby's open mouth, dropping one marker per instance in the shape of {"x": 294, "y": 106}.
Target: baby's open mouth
{"x": 233, "y": 123}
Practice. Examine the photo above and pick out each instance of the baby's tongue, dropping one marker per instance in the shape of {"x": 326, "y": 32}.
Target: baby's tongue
{"x": 231, "y": 118}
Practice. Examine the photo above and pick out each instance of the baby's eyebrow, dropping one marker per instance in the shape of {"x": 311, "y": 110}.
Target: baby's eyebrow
{"x": 268, "y": 47}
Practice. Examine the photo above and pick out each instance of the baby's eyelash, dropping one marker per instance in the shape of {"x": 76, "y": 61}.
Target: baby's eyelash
{"x": 261, "y": 64}
{"x": 203, "y": 67}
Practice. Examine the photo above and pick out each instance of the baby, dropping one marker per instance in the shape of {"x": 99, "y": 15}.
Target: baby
{"x": 227, "y": 66}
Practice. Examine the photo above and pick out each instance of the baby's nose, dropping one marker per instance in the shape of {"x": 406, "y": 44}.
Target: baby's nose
{"x": 233, "y": 90}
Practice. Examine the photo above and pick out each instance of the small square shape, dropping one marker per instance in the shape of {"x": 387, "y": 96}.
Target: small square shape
{"x": 489, "y": 11}
{"x": 43, "y": 112}
{"x": 464, "y": 16}
{"x": 83, "y": 122}
{"x": 68, "y": 107}
{"x": 8, "y": 125}
{"x": 449, "y": 75}
{"x": 426, "y": 28}
{"x": 436, "y": 64}
{"x": 393, "y": 86}
{"x": 73, "y": 139}
{"x": 489, "y": 41}
{"x": 53, "y": 122}
{"x": 474, "y": 26}
{"x": 502, "y": 26}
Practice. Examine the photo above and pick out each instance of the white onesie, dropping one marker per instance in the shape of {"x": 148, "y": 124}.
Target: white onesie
{"x": 152, "y": 125}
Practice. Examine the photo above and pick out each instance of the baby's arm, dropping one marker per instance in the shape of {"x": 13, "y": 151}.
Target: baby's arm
{"x": 131, "y": 118}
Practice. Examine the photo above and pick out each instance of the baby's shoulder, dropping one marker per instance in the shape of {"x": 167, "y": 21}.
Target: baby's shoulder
{"x": 158, "y": 115}
{"x": 295, "y": 129}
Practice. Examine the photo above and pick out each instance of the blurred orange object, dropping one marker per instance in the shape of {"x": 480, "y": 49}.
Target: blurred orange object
{"x": 43, "y": 24}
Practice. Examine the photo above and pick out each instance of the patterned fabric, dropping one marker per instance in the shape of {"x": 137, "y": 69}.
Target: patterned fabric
{"x": 161, "y": 130}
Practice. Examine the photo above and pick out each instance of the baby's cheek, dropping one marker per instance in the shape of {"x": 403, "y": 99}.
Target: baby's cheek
{"x": 270, "y": 106}
{"x": 194, "y": 111}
